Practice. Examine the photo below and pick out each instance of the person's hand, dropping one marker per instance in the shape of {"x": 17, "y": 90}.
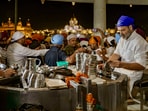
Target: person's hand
{"x": 100, "y": 66}
{"x": 9, "y": 72}
{"x": 99, "y": 52}
{"x": 115, "y": 63}
{"x": 81, "y": 50}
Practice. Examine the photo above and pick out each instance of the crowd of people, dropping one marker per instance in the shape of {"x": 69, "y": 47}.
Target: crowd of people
{"x": 125, "y": 51}
{"x": 58, "y": 48}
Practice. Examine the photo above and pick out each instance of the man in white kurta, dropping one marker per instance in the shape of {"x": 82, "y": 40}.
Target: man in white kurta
{"x": 130, "y": 55}
{"x": 17, "y": 53}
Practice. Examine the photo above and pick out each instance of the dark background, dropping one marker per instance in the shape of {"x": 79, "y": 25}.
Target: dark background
{"x": 53, "y": 15}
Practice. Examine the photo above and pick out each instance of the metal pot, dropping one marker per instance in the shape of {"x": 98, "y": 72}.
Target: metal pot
{"x": 3, "y": 66}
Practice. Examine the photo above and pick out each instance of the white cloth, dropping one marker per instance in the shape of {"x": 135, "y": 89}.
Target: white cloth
{"x": 71, "y": 36}
{"x": 17, "y": 54}
{"x": 132, "y": 50}
{"x": 3, "y": 55}
{"x": 110, "y": 51}
{"x": 132, "y": 75}
{"x": 84, "y": 43}
{"x": 109, "y": 39}
{"x": 16, "y": 36}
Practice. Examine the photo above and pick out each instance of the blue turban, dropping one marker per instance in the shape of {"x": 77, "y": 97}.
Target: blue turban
{"x": 125, "y": 21}
{"x": 57, "y": 39}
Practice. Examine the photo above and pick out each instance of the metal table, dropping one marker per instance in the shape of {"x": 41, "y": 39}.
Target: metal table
{"x": 111, "y": 96}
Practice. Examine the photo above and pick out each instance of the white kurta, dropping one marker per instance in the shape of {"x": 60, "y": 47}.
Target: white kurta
{"x": 17, "y": 54}
{"x": 132, "y": 50}
{"x": 110, "y": 51}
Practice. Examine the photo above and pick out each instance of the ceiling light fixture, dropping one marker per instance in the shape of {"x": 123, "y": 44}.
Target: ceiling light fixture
{"x": 73, "y": 3}
{"x": 131, "y": 5}
{"x": 42, "y": 1}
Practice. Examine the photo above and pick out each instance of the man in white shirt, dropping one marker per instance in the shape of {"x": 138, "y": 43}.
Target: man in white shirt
{"x": 17, "y": 53}
{"x": 130, "y": 55}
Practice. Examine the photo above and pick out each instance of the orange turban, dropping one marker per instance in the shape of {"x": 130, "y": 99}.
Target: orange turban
{"x": 38, "y": 37}
{"x": 95, "y": 40}
{"x": 28, "y": 41}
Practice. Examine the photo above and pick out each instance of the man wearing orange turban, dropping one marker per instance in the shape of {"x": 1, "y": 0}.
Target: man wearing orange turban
{"x": 95, "y": 39}
{"x": 94, "y": 42}
{"x": 95, "y": 45}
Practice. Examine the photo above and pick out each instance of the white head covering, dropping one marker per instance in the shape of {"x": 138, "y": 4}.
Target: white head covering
{"x": 109, "y": 39}
{"x": 84, "y": 43}
{"x": 71, "y": 36}
{"x": 16, "y": 36}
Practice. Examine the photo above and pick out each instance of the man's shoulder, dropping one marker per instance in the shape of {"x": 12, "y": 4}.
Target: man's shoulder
{"x": 68, "y": 47}
{"x": 15, "y": 46}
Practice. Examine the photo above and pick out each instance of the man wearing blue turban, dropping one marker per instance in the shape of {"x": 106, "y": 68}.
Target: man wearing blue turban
{"x": 130, "y": 55}
{"x": 125, "y": 21}
{"x": 55, "y": 53}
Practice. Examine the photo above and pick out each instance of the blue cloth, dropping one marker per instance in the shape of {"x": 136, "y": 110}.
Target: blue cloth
{"x": 125, "y": 21}
{"x": 57, "y": 39}
{"x": 53, "y": 55}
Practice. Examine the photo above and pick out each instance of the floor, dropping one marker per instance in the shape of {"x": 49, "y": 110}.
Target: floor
{"x": 135, "y": 106}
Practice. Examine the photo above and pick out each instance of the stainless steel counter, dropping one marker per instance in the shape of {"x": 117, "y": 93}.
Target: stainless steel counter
{"x": 52, "y": 100}
{"x": 111, "y": 96}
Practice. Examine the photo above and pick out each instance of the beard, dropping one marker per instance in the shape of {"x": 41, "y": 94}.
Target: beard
{"x": 127, "y": 35}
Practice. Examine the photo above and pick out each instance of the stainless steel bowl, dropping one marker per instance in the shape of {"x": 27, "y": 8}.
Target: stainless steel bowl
{"x": 3, "y": 66}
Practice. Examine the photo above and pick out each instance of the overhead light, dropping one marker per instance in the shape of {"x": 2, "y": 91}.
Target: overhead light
{"x": 9, "y": 0}
{"x": 42, "y": 1}
{"x": 131, "y": 5}
{"x": 73, "y": 3}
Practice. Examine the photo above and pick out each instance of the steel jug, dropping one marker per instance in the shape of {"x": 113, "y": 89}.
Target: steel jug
{"x": 37, "y": 80}
{"x": 31, "y": 64}
{"x": 40, "y": 81}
